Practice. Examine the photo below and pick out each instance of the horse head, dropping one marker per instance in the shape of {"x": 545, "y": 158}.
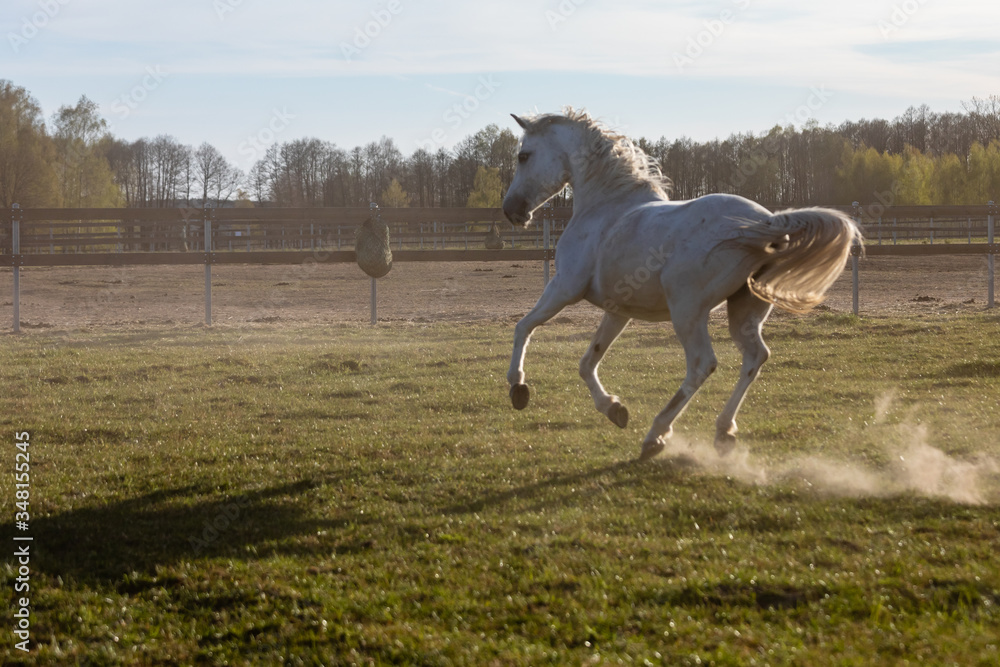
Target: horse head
{"x": 543, "y": 170}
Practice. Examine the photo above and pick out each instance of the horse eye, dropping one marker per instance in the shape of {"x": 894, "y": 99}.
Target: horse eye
{"x": 523, "y": 157}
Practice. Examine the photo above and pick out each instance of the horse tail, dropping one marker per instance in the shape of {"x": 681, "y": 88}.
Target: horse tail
{"x": 807, "y": 250}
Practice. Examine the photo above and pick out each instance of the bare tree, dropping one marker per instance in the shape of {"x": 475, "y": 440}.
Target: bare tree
{"x": 168, "y": 161}
{"x": 258, "y": 182}
{"x": 215, "y": 177}
{"x": 421, "y": 177}
{"x": 985, "y": 117}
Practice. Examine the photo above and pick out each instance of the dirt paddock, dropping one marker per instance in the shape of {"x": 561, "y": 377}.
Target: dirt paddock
{"x": 248, "y": 295}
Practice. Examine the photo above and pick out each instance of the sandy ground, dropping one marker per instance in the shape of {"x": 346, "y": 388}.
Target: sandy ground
{"x": 148, "y": 296}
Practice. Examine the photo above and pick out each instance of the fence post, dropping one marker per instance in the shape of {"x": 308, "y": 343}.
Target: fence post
{"x": 207, "y": 215}
{"x": 373, "y": 208}
{"x": 991, "y": 257}
{"x": 15, "y": 251}
{"x": 855, "y": 251}
{"x": 546, "y": 230}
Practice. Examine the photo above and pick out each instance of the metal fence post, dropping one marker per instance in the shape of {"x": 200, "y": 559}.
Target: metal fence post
{"x": 991, "y": 257}
{"x": 373, "y": 208}
{"x": 208, "y": 213}
{"x": 855, "y": 251}
{"x": 546, "y": 231}
{"x": 15, "y": 250}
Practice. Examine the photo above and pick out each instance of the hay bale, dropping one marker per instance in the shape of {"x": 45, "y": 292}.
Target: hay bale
{"x": 371, "y": 247}
{"x": 493, "y": 239}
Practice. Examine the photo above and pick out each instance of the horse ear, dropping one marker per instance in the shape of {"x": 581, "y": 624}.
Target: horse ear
{"x": 520, "y": 121}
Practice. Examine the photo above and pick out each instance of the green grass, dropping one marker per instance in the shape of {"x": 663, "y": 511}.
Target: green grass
{"x": 329, "y": 496}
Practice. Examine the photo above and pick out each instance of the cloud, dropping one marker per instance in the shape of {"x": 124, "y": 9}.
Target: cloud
{"x": 962, "y": 51}
{"x": 615, "y": 57}
{"x": 774, "y": 41}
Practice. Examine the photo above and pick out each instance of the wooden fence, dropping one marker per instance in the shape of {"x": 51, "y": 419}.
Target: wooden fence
{"x": 209, "y": 236}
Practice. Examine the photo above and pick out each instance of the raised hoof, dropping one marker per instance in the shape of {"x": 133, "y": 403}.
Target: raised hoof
{"x": 650, "y": 449}
{"x": 519, "y": 396}
{"x": 618, "y": 414}
{"x": 725, "y": 443}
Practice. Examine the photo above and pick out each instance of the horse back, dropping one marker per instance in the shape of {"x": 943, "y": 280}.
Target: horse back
{"x": 652, "y": 254}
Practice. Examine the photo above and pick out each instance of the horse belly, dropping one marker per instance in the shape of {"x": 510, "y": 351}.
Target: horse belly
{"x": 635, "y": 292}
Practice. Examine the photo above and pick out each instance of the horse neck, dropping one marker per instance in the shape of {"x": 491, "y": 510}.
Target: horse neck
{"x": 589, "y": 192}
{"x": 590, "y": 197}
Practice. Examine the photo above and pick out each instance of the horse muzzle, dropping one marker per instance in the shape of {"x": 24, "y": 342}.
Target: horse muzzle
{"x": 517, "y": 212}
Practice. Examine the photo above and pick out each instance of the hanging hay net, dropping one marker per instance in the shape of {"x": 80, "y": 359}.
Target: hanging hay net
{"x": 371, "y": 245}
{"x": 493, "y": 239}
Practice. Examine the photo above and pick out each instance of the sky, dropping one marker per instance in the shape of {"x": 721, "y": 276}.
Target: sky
{"x": 242, "y": 74}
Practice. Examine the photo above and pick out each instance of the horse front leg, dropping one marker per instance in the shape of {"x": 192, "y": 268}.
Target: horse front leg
{"x": 552, "y": 301}
{"x": 610, "y": 406}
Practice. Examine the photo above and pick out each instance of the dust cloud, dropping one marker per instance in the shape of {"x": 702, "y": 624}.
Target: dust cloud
{"x": 914, "y": 466}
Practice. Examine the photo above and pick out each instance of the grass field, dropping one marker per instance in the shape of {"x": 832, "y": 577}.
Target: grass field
{"x": 367, "y": 495}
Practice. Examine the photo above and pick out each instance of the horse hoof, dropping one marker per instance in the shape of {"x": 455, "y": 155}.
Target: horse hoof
{"x": 519, "y": 395}
{"x": 725, "y": 443}
{"x": 618, "y": 414}
{"x": 650, "y": 449}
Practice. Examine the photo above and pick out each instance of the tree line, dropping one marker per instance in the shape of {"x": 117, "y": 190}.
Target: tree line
{"x": 920, "y": 157}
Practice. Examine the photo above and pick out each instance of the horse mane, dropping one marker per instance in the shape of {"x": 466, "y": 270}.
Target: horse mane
{"x": 610, "y": 158}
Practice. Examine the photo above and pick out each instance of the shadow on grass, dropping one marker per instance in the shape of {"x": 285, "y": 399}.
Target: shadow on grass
{"x": 129, "y": 539}
{"x": 973, "y": 369}
{"x": 98, "y": 544}
{"x": 629, "y": 472}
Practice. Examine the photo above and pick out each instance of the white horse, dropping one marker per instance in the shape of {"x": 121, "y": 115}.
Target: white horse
{"x": 635, "y": 254}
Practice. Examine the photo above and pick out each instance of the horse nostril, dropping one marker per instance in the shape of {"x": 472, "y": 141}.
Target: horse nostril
{"x": 515, "y": 211}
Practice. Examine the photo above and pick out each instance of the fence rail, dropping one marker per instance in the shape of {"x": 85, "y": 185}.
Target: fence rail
{"x": 208, "y": 236}
{"x": 86, "y": 231}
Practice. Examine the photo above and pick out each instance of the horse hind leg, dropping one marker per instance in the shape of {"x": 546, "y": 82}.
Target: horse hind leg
{"x": 747, "y": 314}
{"x": 611, "y": 406}
{"x": 701, "y": 363}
